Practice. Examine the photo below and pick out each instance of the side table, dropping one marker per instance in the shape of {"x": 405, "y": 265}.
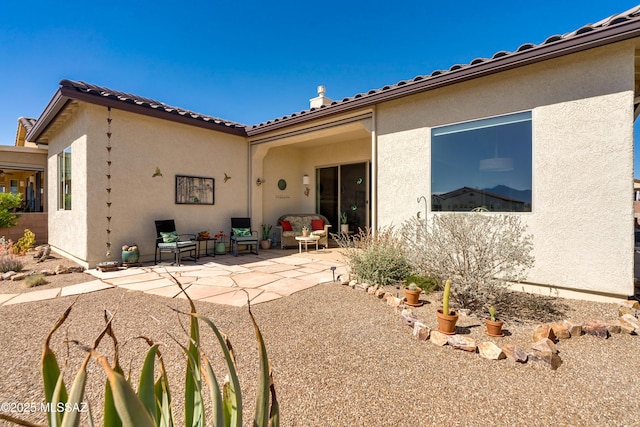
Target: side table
{"x": 306, "y": 240}
{"x": 206, "y": 241}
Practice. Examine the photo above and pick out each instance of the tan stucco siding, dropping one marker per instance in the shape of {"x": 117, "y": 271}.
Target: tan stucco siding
{"x": 68, "y": 229}
{"x": 139, "y": 145}
{"x": 582, "y": 109}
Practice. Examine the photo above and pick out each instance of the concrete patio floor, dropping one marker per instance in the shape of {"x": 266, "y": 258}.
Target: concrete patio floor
{"x": 223, "y": 279}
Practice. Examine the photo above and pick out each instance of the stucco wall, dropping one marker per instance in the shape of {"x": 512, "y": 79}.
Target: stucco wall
{"x": 139, "y": 145}
{"x": 582, "y": 106}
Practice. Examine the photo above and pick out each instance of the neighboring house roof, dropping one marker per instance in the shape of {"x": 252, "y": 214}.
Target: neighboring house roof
{"x": 614, "y": 29}
{"x": 24, "y": 126}
{"x": 465, "y": 190}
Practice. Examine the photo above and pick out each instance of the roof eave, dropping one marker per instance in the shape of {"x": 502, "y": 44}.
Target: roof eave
{"x": 596, "y": 38}
{"x": 65, "y": 94}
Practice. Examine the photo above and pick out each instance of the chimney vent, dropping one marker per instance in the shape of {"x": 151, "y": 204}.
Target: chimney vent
{"x": 320, "y": 100}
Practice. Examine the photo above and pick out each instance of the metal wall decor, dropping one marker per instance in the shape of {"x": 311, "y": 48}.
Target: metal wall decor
{"x": 194, "y": 190}
{"x": 282, "y": 184}
{"x": 108, "y": 253}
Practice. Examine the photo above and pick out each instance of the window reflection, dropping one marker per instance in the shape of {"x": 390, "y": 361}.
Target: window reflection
{"x": 483, "y": 165}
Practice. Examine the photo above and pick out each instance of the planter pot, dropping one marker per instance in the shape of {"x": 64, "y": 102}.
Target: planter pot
{"x": 412, "y": 297}
{"x": 447, "y": 322}
{"x": 130, "y": 257}
{"x": 265, "y": 244}
{"x": 305, "y": 233}
{"x": 344, "y": 228}
{"x": 494, "y": 329}
{"x": 221, "y": 248}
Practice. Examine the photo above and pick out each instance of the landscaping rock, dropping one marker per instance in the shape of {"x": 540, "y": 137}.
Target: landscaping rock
{"x": 490, "y": 351}
{"x": 362, "y": 286}
{"x": 552, "y": 360}
{"x": 627, "y": 310}
{"x": 545, "y": 345}
{"x": 543, "y": 331}
{"x": 372, "y": 290}
{"x": 631, "y": 303}
{"x": 516, "y": 353}
{"x": 19, "y": 276}
{"x": 597, "y": 329}
{"x": 393, "y": 301}
{"x": 613, "y": 327}
{"x": 421, "y": 331}
{"x": 75, "y": 269}
{"x": 561, "y": 332}
{"x": 352, "y": 284}
{"x": 438, "y": 338}
{"x": 8, "y": 275}
{"x": 47, "y": 272}
{"x": 61, "y": 269}
{"x": 461, "y": 342}
{"x": 575, "y": 329}
{"x": 629, "y": 321}
{"x": 380, "y": 293}
{"x": 409, "y": 317}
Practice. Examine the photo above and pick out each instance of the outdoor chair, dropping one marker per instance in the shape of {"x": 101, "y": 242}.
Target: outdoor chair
{"x": 242, "y": 234}
{"x": 168, "y": 240}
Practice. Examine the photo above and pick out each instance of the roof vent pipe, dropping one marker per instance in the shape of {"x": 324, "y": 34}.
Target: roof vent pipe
{"x": 320, "y": 100}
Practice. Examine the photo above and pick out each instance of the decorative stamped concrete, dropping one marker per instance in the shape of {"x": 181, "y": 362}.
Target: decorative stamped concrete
{"x": 221, "y": 280}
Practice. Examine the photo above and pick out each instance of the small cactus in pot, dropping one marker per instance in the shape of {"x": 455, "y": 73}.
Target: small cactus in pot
{"x": 446, "y": 318}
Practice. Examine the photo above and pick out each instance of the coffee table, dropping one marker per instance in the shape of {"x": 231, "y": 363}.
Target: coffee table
{"x": 306, "y": 240}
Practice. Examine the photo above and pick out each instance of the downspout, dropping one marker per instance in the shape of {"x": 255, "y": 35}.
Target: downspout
{"x": 374, "y": 171}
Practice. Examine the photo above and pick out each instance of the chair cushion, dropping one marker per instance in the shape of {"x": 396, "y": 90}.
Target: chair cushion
{"x": 188, "y": 244}
{"x": 170, "y": 236}
{"x": 286, "y": 226}
{"x": 241, "y": 232}
{"x": 289, "y": 233}
{"x": 319, "y": 233}
{"x": 241, "y": 239}
{"x": 317, "y": 224}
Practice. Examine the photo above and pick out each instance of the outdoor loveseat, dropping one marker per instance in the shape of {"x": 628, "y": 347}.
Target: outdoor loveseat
{"x": 290, "y": 225}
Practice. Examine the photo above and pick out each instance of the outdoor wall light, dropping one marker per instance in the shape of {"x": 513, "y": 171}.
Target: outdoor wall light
{"x": 305, "y": 182}
{"x": 259, "y": 182}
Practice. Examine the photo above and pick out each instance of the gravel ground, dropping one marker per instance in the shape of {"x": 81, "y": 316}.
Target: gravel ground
{"x": 344, "y": 358}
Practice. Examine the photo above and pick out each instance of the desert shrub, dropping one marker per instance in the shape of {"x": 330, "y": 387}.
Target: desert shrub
{"x": 426, "y": 283}
{"x": 33, "y": 280}
{"x": 10, "y": 263}
{"x": 9, "y": 202}
{"x": 480, "y": 253}
{"x": 375, "y": 258}
{"x": 25, "y": 242}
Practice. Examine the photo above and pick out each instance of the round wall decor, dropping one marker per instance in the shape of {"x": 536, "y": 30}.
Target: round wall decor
{"x": 282, "y": 184}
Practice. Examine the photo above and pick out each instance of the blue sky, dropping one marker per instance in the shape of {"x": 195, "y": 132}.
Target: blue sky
{"x": 254, "y": 61}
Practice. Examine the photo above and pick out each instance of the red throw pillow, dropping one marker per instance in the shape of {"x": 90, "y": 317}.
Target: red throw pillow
{"x": 286, "y": 226}
{"x": 317, "y": 224}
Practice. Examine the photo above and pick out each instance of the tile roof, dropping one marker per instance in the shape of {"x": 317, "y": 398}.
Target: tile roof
{"x": 106, "y": 93}
{"x": 553, "y": 46}
{"x": 27, "y": 122}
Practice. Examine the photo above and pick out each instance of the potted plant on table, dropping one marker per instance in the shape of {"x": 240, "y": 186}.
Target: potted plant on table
{"x": 446, "y": 318}
{"x": 203, "y": 235}
{"x": 493, "y": 324}
{"x": 265, "y": 243}
{"x": 344, "y": 227}
{"x": 221, "y": 243}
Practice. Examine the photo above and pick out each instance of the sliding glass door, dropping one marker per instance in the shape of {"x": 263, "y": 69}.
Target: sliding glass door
{"x": 344, "y": 190}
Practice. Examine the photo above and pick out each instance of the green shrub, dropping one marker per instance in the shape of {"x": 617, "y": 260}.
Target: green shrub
{"x": 10, "y": 263}
{"x": 375, "y": 258}
{"x": 25, "y": 242}
{"x": 153, "y": 404}
{"x": 33, "y": 280}
{"x": 8, "y": 203}
{"x": 427, "y": 284}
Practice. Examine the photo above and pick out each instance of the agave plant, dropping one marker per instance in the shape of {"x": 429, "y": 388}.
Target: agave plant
{"x": 151, "y": 405}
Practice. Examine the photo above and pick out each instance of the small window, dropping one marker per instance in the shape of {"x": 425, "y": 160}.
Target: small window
{"x": 64, "y": 179}
{"x": 13, "y": 186}
{"x": 484, "y": 165}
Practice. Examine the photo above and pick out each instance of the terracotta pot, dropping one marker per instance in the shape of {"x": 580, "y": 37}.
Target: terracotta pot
{"x": 265, "y": 244}
{"x": 494, "y": 329}
{"x": 412, "y": 297}
{"x": 447, "y": 322}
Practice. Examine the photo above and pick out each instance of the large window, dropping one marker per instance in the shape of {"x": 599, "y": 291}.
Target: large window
{"x": 482, "y": 165}
{"x": 64, "y": 179}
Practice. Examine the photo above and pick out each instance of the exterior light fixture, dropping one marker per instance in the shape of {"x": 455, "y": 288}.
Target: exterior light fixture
{"x": 259, "y": 182}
